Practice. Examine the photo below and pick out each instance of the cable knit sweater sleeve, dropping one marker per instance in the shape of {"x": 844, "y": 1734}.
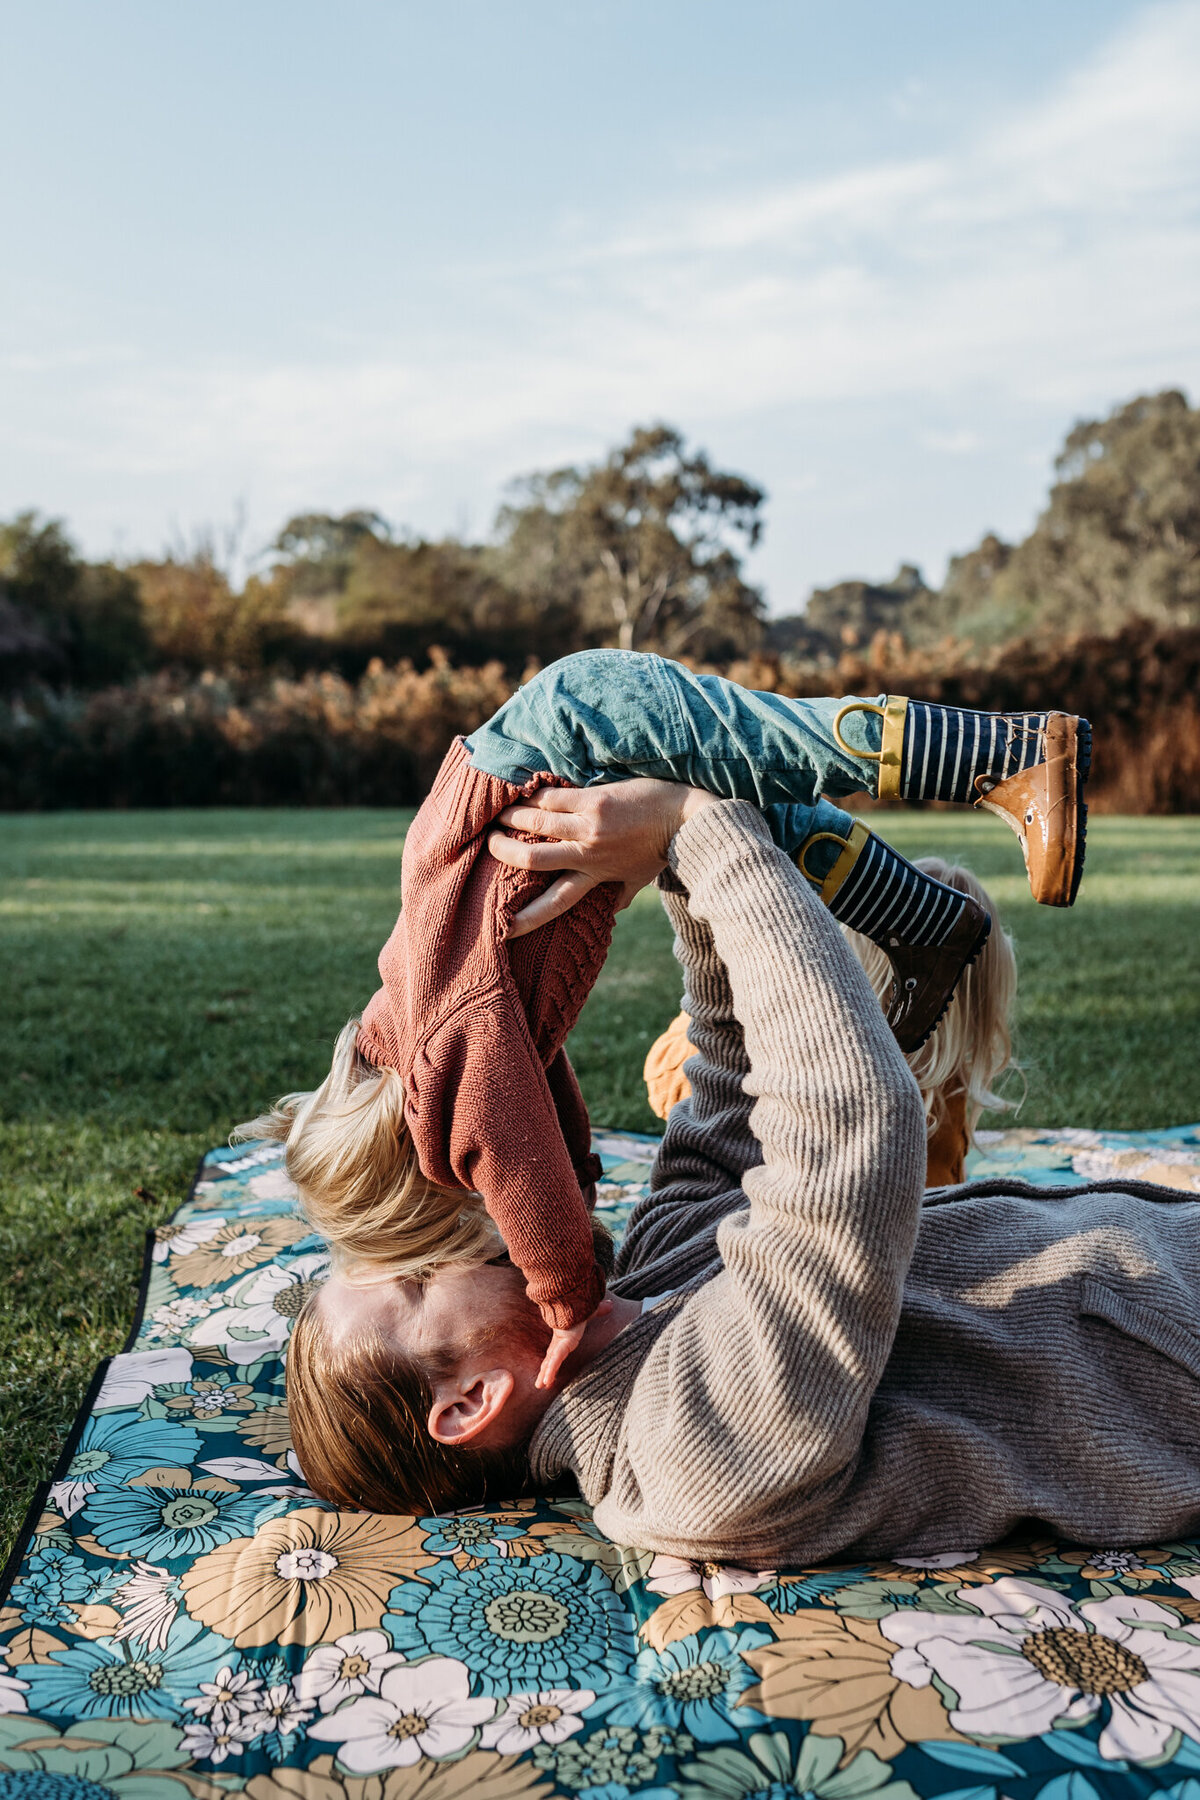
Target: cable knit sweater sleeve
{"x": 749, "y": 1407}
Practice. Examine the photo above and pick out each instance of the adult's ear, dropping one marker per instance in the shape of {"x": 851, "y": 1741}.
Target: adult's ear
{"x": 465, "y": 1405}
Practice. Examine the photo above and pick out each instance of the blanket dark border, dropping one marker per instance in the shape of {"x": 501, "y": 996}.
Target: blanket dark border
{"x": 63, "y": 1461}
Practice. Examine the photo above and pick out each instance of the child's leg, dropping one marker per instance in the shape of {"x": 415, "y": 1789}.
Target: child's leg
{"x": 1029, "y": 769}
{"x": 607, "y": 715}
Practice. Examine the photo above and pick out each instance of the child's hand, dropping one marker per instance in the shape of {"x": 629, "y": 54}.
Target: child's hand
{"x": 562, "y": 1343}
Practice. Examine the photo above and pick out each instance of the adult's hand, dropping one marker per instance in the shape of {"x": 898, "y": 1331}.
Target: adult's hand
{"x": 619, "y": 832}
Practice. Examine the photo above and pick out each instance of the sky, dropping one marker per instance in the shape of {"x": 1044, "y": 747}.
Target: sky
{"x": 261, "y": 258}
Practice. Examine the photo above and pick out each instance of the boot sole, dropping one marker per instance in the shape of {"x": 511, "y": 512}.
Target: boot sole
{"x": 1083, "y": 768}
{"x": 972, "y": 956}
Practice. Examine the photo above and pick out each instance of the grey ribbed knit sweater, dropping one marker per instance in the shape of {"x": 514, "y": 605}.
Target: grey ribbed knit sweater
{"x": 843, "y": 1370}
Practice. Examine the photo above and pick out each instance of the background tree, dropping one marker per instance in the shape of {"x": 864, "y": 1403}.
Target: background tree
{"x": 1118, "y": 540}
{"x": 63, "y": 619}
{"x": 194, "y": 618}
{"x": 851, "y": 612}
{"x": 647, "y": 544}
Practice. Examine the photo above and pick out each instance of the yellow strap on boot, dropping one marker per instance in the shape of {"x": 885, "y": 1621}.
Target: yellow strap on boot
{"x": 889, "y": 756}
{"x": 851, "y": 850}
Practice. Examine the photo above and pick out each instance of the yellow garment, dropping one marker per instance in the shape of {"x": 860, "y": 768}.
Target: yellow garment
{"x": 666, "y": 1084}
{"x": 663, "y": 1069}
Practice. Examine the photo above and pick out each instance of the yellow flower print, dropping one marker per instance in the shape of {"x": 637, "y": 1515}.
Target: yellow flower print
{"x": 305, "y": 1577}
{"x": 209, "y": 1399}
{"x": 1125, "y": 1566}
{"x": 480, "y": 1775}
{"x": 267, "y": 1429}
{"x": 958, "y": 1568}
{"x": 235, "y": 1248}
{"x": 837, "y": 1674}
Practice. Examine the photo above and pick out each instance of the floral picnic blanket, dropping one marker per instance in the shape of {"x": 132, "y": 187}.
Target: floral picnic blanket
{"x": 183, "y": 1617}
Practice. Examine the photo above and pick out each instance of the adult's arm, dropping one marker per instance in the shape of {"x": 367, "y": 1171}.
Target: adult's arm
{"x": 708, "y": 1144}
{"x": 750, "y": 1406}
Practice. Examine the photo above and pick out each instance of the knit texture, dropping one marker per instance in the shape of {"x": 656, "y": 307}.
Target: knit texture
{"x": 842, "y": 1373}
{"x": 476, "y": 1023}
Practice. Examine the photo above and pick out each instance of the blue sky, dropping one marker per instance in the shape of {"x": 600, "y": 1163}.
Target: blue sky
{"x": 876, "y": 256}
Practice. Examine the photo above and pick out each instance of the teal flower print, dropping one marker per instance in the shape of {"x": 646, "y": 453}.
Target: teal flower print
{"x": 477, "y": 1534}
{"x": 695, "y": 1682}
{"x": 157, "y": 1522}
{"x": 611, "y": 1762}
{"x": 767, "y": 1769}
{"x": 49, "y": 1580}
{"x": 519, "y": 1626}
{"x": 104, "y": 1679}
{"x": 117, "y": 1446}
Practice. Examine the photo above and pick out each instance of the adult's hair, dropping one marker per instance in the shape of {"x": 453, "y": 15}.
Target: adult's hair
{"x": 350, "y": 1153}
{"x": 358, "y": 1409}
{"x": 972, "y": 1046}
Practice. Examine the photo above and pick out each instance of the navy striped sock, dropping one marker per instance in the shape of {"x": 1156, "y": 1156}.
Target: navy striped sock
{"x": 885, "y": 898}
{"x": 945, "y": 750}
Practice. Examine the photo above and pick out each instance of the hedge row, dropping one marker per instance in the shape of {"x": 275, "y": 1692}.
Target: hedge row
{"x": 322, "y": 740}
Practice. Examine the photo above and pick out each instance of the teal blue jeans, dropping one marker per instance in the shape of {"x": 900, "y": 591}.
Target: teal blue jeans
{"x": 608, "y": 715}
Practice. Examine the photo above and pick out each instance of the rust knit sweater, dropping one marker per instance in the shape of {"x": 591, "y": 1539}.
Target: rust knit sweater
{"x": 476, "y": 1026}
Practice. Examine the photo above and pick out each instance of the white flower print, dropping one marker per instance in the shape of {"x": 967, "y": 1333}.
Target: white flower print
{"x": 133, "y": 1376}
{"x": 272, "y": 1184}
{"x": 180, "y": 1236}
{"x": 421, "y": 1709}
{"x": 949, "y": 1559}
{"x": 148, "y": 1603}
{"x": 227, "y": 1699}
{"x": 67, "y": 1497}
{"x": 218, "y": 1739}
{"x": 261, "y": 1306}
{"x": 279, "y": 1710}
{"x": 12, "y": 1689}
{"x": 172, "y": 1319}
{"x": 1034, "y": 1660}
{"x": 529, "y": 1719}
{"x": 354, "y": 1664}
{"x": 672, "y": 1575}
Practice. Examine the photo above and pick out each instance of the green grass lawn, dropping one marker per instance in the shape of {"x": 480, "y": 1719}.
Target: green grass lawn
{"x": 165, "y": 973}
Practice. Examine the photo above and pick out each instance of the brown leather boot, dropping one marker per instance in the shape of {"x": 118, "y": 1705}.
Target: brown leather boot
{"x": 924, "y": 977}
{"x": 1045, "y": 807}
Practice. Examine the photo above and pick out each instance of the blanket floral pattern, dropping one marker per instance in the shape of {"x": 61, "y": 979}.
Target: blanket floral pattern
{"x": 186, "y": 1618}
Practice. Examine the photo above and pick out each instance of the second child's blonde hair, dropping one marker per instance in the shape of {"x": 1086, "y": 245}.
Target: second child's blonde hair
{"x": 972, "y": 1048}
{"x": 351, "y": 1155}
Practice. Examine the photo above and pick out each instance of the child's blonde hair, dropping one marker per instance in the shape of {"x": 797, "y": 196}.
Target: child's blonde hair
{"x": 351, "y": 1155}
{"x": 972, "y": 1047}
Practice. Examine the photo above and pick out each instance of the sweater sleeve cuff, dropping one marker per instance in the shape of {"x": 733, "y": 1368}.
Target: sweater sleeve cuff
{"x": 573, "y": 1308}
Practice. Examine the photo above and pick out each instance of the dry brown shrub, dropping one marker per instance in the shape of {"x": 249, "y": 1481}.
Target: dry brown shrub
{"x": 320, "y": 739}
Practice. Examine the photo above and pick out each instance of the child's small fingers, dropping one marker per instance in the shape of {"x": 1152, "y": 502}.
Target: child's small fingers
{"x": 557, "y": 1351}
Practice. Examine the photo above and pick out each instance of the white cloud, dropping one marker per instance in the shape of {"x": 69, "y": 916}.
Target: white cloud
{"x": 1052, "y": 260}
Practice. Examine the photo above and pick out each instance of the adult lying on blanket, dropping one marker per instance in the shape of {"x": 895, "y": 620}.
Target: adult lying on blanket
{"x": 456, "y": 1086}
{"x": 799, "y": 1360}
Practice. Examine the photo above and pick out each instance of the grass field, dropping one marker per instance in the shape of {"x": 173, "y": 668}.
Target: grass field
{"x": 165, "y": 973}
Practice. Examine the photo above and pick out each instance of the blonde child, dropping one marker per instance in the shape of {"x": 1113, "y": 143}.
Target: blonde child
{"x": 958, "y": 1068}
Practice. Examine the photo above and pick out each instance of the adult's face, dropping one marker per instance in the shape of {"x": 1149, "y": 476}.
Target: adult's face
{"x": 481, "y": 1341}
{"x": 475, "y": 1332}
